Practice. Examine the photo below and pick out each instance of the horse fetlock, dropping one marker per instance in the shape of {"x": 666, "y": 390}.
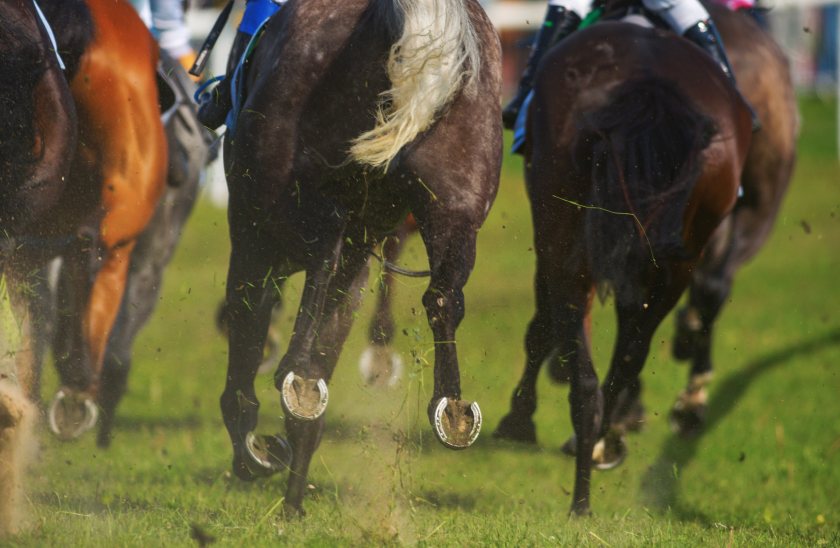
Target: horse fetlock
{"x": 302, "y": 398}
{"x": 516, "y": 427}
{"x": 609, "y": 451}
{"x": 688, "y": 415}
{"x": 71, "y": 414}
{"x": 456, "y": 423}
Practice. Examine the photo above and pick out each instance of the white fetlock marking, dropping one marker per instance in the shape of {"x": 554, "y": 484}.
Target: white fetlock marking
{"x": 598, "y": 451}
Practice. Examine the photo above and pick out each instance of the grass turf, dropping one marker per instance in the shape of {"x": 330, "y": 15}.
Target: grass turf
{"x": 767, "y": 471}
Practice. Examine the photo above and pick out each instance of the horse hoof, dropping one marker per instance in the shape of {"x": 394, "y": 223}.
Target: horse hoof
{"x": 687, "y": 421}
{"x": 266, "y": 455}
{"x": 514, "y": 428}
{"x": 71, "y": 414}
{"x": 456, "y": 422}
{"x": 633, "y": 419}
{"x": 609, "y": 451}
{"x": 379, "y": 366}
{"x": 570, "y": 447}
{"x": 304, "y": 399}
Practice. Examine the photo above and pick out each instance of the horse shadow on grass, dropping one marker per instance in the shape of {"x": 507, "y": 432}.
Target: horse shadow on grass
{"x": 660, "y": 485}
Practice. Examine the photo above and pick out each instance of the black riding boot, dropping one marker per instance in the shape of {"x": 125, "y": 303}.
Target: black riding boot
{"x": 215, "y": 104}
{"x": 705, "y": 35}
{"x": 559, "y": 23}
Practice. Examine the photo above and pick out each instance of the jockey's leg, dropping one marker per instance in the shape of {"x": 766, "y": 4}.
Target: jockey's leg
{"x": 562, "y": 18}
{"x": 170, "y": 27}
{"x": 690, "y": 19}
{"x": 215, "y": 104}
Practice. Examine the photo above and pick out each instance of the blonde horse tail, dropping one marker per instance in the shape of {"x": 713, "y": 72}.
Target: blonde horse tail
{"x": 437, "y": 54}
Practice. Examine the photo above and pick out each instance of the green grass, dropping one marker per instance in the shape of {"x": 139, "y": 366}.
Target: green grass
{"x": 767, "y": 471}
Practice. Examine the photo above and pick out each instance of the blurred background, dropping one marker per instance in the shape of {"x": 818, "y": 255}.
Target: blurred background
{"x": 806, "y": 30}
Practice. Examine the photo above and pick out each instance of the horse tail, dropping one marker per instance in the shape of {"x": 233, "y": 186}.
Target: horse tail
{"x": 643, "y": 153}
{"x": 437, "y": 52}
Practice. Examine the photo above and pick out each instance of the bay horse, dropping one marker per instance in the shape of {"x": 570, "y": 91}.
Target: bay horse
{"x": 189, "y": 150}
{"x": 37, "y": 141}
{"x": 764, "y": 77}
{"x": 635, "y": 148}
{"x": 356, "y": 113}
{"x": 115, "y": 181}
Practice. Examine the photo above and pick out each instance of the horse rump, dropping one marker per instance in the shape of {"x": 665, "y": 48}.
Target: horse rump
{"x": 642, "y": 153}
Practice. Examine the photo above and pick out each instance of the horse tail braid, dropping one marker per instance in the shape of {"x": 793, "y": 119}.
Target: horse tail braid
{"x": 643, "y": 153}
{"x": 437, "y": 53}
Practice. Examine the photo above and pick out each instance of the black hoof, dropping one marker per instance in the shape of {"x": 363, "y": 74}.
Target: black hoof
{"x": 633, "y": 419}
{"x": 261, "y": 457}
{"x": 580, "y": 510}
{"x": 293, "y": 511}
{"x": 570, "y": 447}
{"x": 688, "y": 422}
{"x": 517, "y": 429}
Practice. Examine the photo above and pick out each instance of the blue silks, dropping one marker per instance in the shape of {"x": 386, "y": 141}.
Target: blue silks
{"x": 236, "y": 81}
{"x": 519, "y": 126}
{"x": 256, "y": 13}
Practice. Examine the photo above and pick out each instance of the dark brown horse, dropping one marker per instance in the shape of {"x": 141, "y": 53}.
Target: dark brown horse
{"x": 37, "y": 141}
{"x": 764, "y": 78}
{"x": 635, "y": 149}
{"x": 109, "y": 195}
{"x": 356, "y": 113}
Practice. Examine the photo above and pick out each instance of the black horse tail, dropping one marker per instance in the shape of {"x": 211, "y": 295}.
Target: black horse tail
{"x": 643, "y": 154}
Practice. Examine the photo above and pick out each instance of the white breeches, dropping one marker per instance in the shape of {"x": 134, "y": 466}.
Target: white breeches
{"x": 679, "y": 14}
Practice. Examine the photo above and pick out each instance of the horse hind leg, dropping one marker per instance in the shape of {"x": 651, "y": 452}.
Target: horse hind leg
{"x": 518, "y": 424}
{"x": 305, "y": 435}
{"x": 72, "y": 410}
{"x": 451, "y": 249}
{"x": 248, "y": 302}
{"x": 302, "y": 383}
{"x": 381, "y": 365}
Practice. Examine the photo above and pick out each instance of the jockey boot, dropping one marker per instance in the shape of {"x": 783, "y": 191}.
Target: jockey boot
{"x": 215, "y": 104}
{"x": 705, "y": 35}
{"x": 559, "y": 23}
